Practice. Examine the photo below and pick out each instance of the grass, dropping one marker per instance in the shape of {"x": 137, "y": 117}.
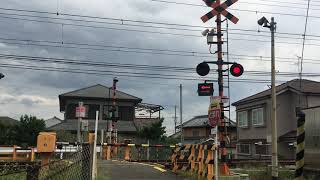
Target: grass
{"x": 17, "y": 176}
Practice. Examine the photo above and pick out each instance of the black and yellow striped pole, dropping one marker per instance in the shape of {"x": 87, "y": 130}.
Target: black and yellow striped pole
{"x": 300, "y": 146}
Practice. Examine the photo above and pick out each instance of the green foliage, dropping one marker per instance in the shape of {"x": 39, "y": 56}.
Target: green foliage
{"x": 7, "y": 134}
{"x": 154, "y": 132}
{"x": 27, "y": 130}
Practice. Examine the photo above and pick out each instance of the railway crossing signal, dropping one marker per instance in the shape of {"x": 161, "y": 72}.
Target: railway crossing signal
{"x": 236, "y": 70}
{"x": 219, "y": 9}
{"x": 203, "y": 68}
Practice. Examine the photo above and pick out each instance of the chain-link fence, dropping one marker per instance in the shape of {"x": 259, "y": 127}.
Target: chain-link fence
{"x": 75, "y": 164}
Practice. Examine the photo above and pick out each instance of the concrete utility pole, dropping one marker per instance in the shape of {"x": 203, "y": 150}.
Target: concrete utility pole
{"x": 114, "y": 108}
{"x": 79, "y": 124}
{"x": 175, "y": 119}
{"x": 274, "y": 133}
{"x": 181, "y": 127}
{"x": 274, "y": 106}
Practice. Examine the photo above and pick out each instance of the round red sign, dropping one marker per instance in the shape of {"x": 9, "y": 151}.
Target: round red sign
{"x": 214, "y": 113}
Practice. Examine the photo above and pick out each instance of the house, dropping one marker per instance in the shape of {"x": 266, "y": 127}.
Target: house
{"x": 254, "y": 118}
{"x": 52, "y": 121}
{"x": 197, "y": 130}
{"x": 99, "y": 98}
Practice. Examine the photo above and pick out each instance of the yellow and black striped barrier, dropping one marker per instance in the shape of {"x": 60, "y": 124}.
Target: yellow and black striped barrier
{"x": 197, "y": 158}
{"x": 300, "y": 146}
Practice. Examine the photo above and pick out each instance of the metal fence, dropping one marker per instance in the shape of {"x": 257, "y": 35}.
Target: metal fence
{"x": 67, "y": 166}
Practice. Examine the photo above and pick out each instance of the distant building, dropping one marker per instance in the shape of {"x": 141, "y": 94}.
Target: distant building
{"x": 52, "y": 121}
{"x": 254, "y": 118}
{"x": 7, "y": 121}
{"x": 99, "y": 98}
{"x": 197, "y": 131}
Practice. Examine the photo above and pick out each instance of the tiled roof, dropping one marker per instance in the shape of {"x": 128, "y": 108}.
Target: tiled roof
{"x": 52, "y": 121}
{"x": 307, "y": 86}
{"x": 201, "y": 121}
{"x": 99, "y": 91}
{"x": 96, "y": 92}
{"x": 71, "y": 125}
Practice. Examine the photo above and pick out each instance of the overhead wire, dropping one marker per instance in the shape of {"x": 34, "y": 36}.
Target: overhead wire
{"x": 122, "y": 21}
{"x": 126, "y": 49}
{"x": 130, "y": 66}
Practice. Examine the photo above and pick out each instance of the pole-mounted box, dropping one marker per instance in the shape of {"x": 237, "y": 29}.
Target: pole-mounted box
{"x": 46, "y": 142}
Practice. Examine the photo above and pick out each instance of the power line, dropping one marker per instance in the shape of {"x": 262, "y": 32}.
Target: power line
{"x": 124, "y": 74}
{"x": 132, "y": 66}
{"x": 122, "y": 21}
{"x": 57, "y": 44}
{"x": 235, "y": 9}
{"x": 244, "y": 2}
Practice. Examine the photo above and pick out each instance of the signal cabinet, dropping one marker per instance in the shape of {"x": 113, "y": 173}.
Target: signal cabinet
{"x": 46, "y": 142}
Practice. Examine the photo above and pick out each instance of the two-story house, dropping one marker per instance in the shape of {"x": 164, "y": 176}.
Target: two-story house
{"x": 99, "y": 98}
{"x": 254, "y": 118}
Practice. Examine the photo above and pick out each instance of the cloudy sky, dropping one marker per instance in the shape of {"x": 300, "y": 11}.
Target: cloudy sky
{"x": 172, "y": 30}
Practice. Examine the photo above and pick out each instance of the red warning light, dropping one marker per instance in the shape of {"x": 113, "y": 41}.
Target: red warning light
{"x": 236, "y": 70}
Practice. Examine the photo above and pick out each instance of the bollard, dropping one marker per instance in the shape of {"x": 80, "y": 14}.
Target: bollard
{"x": 300, "y": 147}
{"x": 127, "y": 153}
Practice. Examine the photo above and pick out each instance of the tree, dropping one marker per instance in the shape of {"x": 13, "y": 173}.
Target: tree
{"x": 26, "y": 132}
{"x": 154, "y": 132}
{"x": 6, "y": 134}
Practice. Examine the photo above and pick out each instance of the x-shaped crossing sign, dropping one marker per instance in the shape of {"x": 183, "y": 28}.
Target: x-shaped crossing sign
{"x": 219, "y": 8}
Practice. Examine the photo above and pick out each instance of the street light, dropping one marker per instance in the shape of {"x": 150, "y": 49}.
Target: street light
{"x": 272, "y": 26}
{"x": 1, "y": 76}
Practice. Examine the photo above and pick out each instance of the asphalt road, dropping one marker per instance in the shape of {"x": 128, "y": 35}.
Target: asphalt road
{"x": 122, "y": 170}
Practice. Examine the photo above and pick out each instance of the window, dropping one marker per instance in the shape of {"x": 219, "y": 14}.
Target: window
{"x": 262, "y": 149}
{"x": 243, "y": 119}
{"x": 257, "y": 117}
{"x": 195, "y": 133}
{"x": 243, "y": 149}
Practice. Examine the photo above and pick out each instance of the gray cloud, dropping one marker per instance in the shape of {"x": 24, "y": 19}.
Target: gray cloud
{"x": 43, "y": 87}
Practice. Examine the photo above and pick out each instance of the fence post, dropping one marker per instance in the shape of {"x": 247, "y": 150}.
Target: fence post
{"x": 32, "y": 155}
{"x": 14, "y": 155}
{"x": 300, "y": 146}
{"x": 88, "y": 157}
{"x": 33, "y": 172}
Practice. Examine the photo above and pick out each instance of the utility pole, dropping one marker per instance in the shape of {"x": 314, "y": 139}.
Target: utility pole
{"x": 203, "y": 68}
{"x": 181, "y": 127}
{"x": 175, "y": 118}
{"x": 79, "y": 124}
{"x": 222, "y": 125}
{"x": 274, "y": 133}
{"x": 274, "y": 106}
{"x": 114, "y": 111}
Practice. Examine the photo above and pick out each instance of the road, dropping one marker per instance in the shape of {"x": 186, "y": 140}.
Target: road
{"x": 122, "y": 170}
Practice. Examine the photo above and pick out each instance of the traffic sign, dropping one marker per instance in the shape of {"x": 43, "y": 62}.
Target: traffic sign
{"x": 80, "y": 112}
{"x": 214, "y": 113}
{"x": 219, "y": 9}
{"x": 205, "y": 89}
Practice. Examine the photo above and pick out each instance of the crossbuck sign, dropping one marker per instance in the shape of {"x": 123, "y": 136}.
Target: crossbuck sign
{"x": 219, "y": 9}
